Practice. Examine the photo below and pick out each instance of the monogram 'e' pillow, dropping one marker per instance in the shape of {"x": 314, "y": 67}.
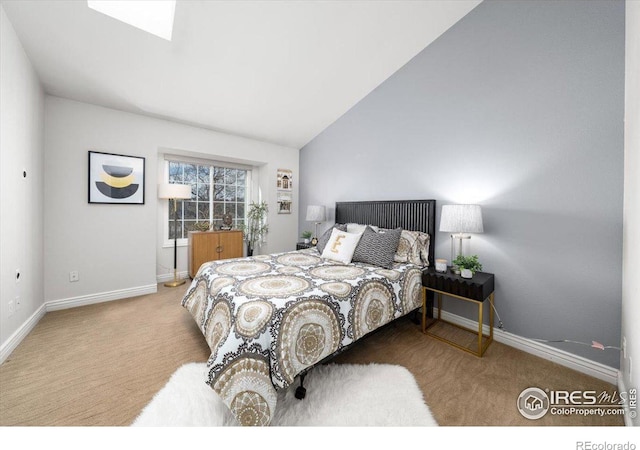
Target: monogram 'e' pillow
{"x": 322, "y": 240}
{"x": 377, "y": 248}
{"x": 413, "y": 247}
{"x": 341, "y": 246}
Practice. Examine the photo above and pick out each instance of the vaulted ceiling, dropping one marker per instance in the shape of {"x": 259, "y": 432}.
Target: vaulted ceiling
{"x": 276, "y": 71}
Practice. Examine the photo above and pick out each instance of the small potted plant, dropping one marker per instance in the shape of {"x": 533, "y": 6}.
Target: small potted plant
{"x": 468, "y": 265}
{"x": 306, "y": 235}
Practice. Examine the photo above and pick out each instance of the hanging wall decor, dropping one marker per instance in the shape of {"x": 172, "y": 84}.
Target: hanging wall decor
{"x": 116, "y": 179}
{"x": 285, "y": 191}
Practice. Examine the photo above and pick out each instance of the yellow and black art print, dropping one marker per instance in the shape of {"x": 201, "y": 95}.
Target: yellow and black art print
{"x": 116, "y": 178}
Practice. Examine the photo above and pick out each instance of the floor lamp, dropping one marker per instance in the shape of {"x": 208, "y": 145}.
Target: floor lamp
{"x": 174, "y": 192}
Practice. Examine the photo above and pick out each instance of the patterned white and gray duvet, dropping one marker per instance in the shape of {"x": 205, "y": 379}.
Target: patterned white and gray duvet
{"x": 269, "y": 317}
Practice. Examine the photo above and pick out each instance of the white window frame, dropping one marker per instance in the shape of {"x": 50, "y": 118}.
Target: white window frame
{"x": 183, "y": 242}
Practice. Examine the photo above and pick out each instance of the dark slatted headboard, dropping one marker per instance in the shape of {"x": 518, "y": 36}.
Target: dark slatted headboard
{"x": 416, "y": 215}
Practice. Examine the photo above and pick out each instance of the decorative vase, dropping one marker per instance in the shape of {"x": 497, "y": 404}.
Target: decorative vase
{"x": 466, "y": 273}
{"x": 249, "y": 250}
{"x": 307, "y": 240}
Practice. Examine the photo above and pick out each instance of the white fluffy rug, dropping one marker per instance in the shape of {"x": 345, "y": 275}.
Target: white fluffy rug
{"x": 337, "y": 395}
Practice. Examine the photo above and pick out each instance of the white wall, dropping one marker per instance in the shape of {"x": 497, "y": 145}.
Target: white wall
{"x": 631, "y": 220}
{"x": 21, "y": 199}
{"x": 118, "y": 248}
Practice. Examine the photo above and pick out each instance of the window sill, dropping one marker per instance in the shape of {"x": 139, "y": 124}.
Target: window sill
{"x": 181, "y": 243}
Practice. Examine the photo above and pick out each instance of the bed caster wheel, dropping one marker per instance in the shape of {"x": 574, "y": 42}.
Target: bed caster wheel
{"x": 300, "y": 392}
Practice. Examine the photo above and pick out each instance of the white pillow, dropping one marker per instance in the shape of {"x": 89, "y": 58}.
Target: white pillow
{"x": 355, "y": 228}
{"x": 359, "y": 228}
{"x": 341, "y": 246}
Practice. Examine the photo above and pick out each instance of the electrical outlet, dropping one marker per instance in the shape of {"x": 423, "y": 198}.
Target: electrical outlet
{"x": 18, "y": 302}
{"x": 74, "y": 276}
{"x": 12, "y": 308}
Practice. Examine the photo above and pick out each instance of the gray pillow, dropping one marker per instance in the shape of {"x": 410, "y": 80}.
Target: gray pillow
{"x": 322, "y": 240}
{"x": 377, "y": 248}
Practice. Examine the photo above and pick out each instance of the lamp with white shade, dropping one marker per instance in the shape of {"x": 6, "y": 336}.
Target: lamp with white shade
{"x": 460, "y": 220}
{"x": 316, "y": 214}
{"x": 175, "y": 192}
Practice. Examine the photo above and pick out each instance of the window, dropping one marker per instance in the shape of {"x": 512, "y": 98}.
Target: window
{"x": 215, "y": 192}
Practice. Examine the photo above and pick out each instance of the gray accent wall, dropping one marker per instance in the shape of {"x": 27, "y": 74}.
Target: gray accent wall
{"x": 518, "y": 107}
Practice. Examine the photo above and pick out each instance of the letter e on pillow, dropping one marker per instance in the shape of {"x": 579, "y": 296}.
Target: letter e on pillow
{"x": 337, "y": 243}
{"x": 341, "y": 246}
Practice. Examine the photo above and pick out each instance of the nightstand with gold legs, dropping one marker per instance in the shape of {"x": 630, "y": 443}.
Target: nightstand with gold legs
{"x": 475, "y": 290}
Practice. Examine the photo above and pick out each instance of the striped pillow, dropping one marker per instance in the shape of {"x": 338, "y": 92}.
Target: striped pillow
{"x": 377, "y": 248}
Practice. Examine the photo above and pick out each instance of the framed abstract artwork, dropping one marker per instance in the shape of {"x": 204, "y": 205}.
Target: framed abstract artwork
{"x": 116, "y": 179}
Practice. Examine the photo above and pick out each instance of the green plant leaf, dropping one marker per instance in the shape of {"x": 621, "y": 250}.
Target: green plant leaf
{"x": 255, "y": 229}
{"x": 468, "y": 262}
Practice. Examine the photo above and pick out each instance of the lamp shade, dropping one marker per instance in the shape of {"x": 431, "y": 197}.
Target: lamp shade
{"x": 315, "y": 213}
{"x": 461, "y": 219}
{"x": 172, "y": 190}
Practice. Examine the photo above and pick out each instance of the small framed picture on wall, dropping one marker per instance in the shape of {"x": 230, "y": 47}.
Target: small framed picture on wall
{"x": 116, "y": 179}
{"x": 284, "y": 187}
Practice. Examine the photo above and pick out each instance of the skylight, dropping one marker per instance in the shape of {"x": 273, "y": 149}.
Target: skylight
{"x": 152, "y": 16}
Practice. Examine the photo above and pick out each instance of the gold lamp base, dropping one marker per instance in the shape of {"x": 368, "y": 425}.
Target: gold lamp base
{"x": 175, "y": 282}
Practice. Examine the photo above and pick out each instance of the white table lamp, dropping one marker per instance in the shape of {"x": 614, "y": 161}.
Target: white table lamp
{"x": 460, "y": 220}
{"x": 317, "y": 215}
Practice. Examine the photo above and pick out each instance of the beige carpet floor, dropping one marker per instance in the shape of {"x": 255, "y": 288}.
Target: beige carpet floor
{"x": 99, "y": 365}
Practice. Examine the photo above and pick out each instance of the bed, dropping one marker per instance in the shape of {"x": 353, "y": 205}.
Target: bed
{"x": 270, "y": 318}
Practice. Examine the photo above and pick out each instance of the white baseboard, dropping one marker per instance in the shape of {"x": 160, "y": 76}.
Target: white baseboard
{"x": 55, "y": 305}
{"x": 14, "y": 340}
{"x": 163, "y": 278}
{"x": 566, "y": 359}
